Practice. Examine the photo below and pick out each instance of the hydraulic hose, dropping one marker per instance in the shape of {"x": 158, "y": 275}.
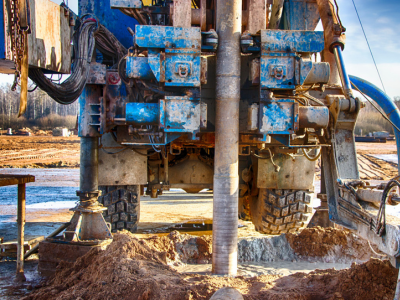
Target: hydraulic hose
{"x": 384, "y": 101}
{"x": 68, "y": 91}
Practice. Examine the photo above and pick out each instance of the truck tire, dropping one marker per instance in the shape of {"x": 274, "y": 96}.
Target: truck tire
{"x": 123, "y": 206}
{"x": 281, "y": 211}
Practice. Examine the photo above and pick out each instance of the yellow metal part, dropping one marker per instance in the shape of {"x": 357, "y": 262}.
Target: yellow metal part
{"x": 24, "y": 77}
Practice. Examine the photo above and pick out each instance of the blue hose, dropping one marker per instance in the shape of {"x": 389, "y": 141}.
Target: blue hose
{"x": 383, "y": 100}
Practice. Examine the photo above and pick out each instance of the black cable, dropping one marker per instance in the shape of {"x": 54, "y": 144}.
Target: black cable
{"x": 89, "y": 35}
{"x": 370, "y": 51}
{"x": 121, "y": 70}
{"x": 381, "y": 217}
{"x": 68, "y": 91}
{"x": 34, "y": 89}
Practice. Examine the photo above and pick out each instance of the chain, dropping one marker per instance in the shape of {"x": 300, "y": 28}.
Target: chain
{"x": 17, "y": 42}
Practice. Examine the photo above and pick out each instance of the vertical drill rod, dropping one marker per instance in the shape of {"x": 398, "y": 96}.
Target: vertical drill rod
{"x": 89, "y": 164}
{"x": 226, "y": 182}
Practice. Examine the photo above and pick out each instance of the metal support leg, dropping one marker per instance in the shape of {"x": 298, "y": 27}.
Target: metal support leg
{"x": 21, "y": 226}
{"x": 226, "y": 182}
{"x": 321, "y": 214}
{"x": 166, "y": 171}
{"x": 88, "y": 226}
{"x": 89, "y": 170}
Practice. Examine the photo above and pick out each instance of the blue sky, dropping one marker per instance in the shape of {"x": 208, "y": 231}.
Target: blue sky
{"x": 381, "y": 21}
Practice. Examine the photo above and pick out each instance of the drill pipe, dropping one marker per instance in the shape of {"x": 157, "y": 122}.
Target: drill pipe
{"x": 226, "y": 180}
{"x": 89, "y": 164}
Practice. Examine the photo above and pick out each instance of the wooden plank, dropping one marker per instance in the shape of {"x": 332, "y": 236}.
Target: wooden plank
{"x": 50, "y": 41}
{"x": 7, "y": 179}
{"x": 8, "y": 254}
{"x": 13, "y": 248}
{"x": 29, "y": 241}
{"x": 21, "y": 231}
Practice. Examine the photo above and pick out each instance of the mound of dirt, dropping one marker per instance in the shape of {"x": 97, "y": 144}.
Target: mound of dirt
{"x": 375, "y": 279}
{"x": 332, "y": 244}
{"x": 183, "y": 248}
{"x": 138, "y": 269}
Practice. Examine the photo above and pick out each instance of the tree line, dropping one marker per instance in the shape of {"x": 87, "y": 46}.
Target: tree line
{"x": 42, "y": 111}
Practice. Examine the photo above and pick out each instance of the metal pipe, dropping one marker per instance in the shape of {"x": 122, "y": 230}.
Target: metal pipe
{"x": 383, "y": 100}
{"x": 166, "y": 171}
{"x": 276, "y": 14}
{"x": 89, "y": 164}
{"x": 21, "y": 232}
{"x": 313, "y": 117}
{"x": 53, "y": 234}
{"x": 226, "y": 180}
{"x": 344, "y": 77}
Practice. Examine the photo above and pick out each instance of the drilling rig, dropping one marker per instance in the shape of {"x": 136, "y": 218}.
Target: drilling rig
{"x": 240, "y": 96}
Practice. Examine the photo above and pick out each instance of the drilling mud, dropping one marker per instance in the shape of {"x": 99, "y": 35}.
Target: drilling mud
{"x": 132, "y": 268}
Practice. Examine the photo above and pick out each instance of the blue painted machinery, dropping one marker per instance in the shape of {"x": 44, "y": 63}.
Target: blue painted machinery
{"x": 181, "y": 94}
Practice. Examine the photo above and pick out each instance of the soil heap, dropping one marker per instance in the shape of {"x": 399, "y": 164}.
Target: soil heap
{"x": 139, "y": 269}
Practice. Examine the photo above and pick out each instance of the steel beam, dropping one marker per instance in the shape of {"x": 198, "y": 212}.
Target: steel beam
{"x": 226, "y": 181}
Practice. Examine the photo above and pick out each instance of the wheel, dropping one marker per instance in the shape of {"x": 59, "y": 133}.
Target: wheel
{"x": 123, "y": 206}
{"x": 281, "y": 211}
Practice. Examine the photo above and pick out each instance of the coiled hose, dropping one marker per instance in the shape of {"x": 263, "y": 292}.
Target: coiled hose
{"x": 89, "y": 35}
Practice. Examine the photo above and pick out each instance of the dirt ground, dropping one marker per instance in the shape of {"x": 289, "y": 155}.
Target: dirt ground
{"x": 132, "y": 268}
{"x": 39, "y": 152}
{"x": 147, "y": 266}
